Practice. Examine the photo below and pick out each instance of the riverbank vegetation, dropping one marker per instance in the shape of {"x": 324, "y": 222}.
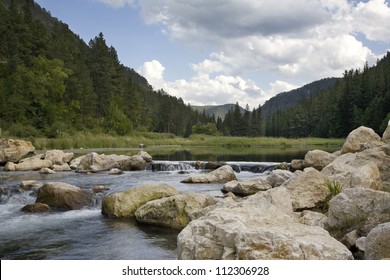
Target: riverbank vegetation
{"x": 146, "y": 139}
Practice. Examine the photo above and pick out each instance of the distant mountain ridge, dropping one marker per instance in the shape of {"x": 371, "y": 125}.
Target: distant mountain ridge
{"x": 216, "y": 110}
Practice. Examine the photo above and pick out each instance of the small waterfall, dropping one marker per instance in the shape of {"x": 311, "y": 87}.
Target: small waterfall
{"x": 169, "y": 166}
{"x": 254, "y": 167}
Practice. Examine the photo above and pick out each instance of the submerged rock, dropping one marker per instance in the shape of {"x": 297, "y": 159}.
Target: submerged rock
{"x": 36, "y": 208}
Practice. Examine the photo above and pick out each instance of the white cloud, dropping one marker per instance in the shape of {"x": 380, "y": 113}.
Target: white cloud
{"x": 153, "y": 71}
{"x": 293, "y": 41}
{"x": 373, "y": 19}
{"x": 202, "y": 89}
{"x": 118, "y": 3}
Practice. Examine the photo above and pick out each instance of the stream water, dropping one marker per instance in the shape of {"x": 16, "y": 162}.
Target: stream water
{"x": 86, "y": 234}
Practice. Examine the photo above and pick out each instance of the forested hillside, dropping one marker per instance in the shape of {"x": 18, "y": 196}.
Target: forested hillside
{"x": 286, "y": 100}
{"x": 362, "y": 97}
{"x": 52, "y": 82}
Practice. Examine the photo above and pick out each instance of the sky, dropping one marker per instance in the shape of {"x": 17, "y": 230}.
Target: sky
{"x": 211, "y": 52}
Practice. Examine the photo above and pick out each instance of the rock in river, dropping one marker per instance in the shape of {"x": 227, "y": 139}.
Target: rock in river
{"x": 174, "y": 211}
{"x": 124, "y": 204}
{"x": 63, "y": 196}
{"x": 223, "y": 174}
{"x": 14, "y": 150}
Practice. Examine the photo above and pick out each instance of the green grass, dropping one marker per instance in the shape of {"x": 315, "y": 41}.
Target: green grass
{"x": 91, "y": 141}
{"x": 334, "y": 188}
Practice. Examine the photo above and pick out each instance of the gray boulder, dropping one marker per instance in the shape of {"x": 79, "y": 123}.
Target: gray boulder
{"x": 307, "y": 189}
{"x": 133, "y": 163}
{"x": 377, "y": 243}
{"x": 358, "y": 209}
{"x": 125, "y": 204}
{"x": 63, "y": 196}
{"x": 247, "y": 187}
{"x": 14, "y": 150}
{"x": 58, "y": 157}
{"x": 358, "y": 138}
{"x": 223, "y": 174}
{"x": 28, "y": 164}
{"x": 175, "y": 211}
{"x": 318, "y": 159}
{"x": 93, "y": 162}
{"x": 261, "y": 227}
{"x": 277, "y": 177}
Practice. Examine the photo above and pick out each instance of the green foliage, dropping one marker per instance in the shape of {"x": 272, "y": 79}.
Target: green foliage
{"x": 52, "y": 81}
{"x": 360, "y": 98}
{"x": 334, "y": 188}
{"x": 208, "y": 129}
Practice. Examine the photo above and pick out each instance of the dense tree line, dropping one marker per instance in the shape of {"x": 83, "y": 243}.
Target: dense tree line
{"x": 52, "y": 82}
{"x": 326, "y": 108}
{"x": 361, "y": 97}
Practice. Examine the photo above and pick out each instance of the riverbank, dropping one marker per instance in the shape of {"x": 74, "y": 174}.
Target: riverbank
{"x": 94, "y": 141}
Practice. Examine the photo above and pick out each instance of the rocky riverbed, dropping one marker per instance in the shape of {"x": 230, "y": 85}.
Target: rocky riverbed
{"x": 325, "y": 206}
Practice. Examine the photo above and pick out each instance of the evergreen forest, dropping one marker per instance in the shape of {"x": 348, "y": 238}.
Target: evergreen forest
{"x": 52, "y": 83}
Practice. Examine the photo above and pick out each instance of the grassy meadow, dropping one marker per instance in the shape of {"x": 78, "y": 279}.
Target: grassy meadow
{"x": 94, "y": 141}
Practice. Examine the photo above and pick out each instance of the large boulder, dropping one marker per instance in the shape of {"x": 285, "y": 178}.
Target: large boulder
{"x": 261, "y": 227}
{"x": 358, "y": 209}
{"x": 124, "y": 204}
{"x": 14, "y": 150}
{"x": 307, "y": 189}
{"x": 366, "y": 169}
{"x": 247, "y": 187}
{"x": 277, "y": 177}
{"x": 133, "y": 163}
{"x": 94, "y": 162}
{"x": 28, "y": 164}
{"x": 358, "y": 138}
{"x": 75, "y": 162}
{"x": 58, "y": 157}
{"x": 377, "y": 243}
{"x": 175, "y": 211}
{"x": 64, "y": 196}
{"x": 318, "y": 159}
{"x": 223, "y": 174}
{"x": 145, "y": 156}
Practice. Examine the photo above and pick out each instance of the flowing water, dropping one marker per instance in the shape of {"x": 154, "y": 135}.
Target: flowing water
{"x": 86, "y": 234}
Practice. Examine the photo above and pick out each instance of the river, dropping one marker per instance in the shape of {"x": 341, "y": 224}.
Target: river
{"x": 86, "y": 234}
